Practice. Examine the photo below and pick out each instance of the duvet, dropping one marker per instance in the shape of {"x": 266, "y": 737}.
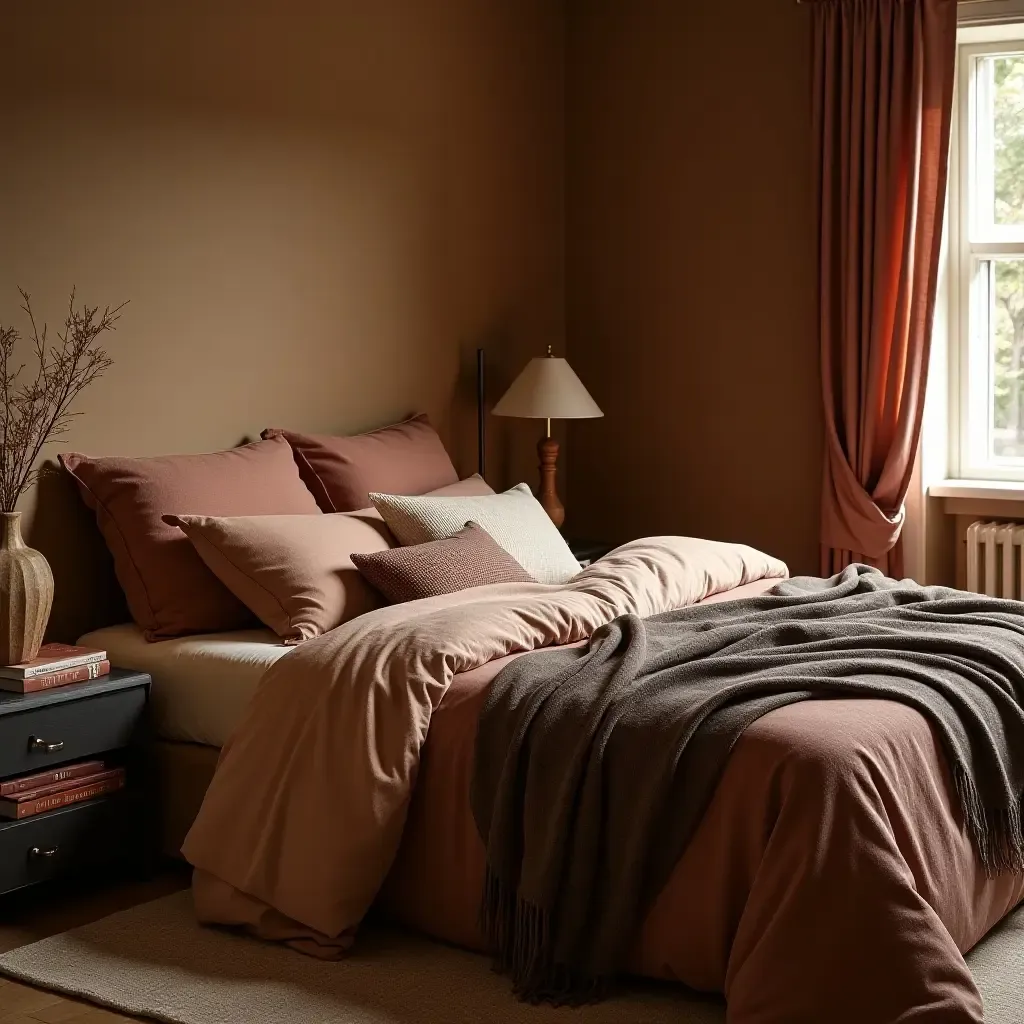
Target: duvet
{"x": 830, "y": 878}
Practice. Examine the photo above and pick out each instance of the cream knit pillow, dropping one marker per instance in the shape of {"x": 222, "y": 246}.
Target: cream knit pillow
{"x": 514, "y": 519}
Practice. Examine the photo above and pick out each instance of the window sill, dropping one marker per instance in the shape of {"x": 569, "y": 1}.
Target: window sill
{"x": 979, "y": 490}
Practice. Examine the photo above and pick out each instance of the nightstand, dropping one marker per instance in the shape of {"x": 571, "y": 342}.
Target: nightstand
{"x": 103, "y": 718}
{"x": 587, "y": 551}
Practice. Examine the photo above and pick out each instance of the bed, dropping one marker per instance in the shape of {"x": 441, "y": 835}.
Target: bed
{"x": 329, "y": 764}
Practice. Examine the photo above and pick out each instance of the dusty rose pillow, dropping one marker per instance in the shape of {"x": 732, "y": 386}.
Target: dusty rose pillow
{"x": 474, "y": 486}
{"x": 340, "y": 472}
{"x": 469, "y": 558}
{"x": 170, "y": 590}
{"x": 295, "y": 573}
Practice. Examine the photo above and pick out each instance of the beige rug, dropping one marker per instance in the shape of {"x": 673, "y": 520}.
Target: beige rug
{"x": 154, "y": 960}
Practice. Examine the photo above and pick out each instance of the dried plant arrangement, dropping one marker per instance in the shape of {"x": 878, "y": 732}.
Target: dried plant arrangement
{"x": 37, "y": 405}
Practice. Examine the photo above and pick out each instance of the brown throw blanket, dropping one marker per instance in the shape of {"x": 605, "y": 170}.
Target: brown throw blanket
{"x": 594, "y": 766}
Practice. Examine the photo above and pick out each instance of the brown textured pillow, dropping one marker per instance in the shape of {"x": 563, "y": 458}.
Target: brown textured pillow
{"x": 294, "y": 572}
{"x": 340, "y": 472}
{"x": 469, "y": 558}
{"x": 170, "y": 591}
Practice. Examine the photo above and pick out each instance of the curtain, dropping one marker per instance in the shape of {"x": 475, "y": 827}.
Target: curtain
{"x": 884, "y": 72}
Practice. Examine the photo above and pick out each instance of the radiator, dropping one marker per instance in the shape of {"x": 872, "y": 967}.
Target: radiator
{"x": 995, "y": 559}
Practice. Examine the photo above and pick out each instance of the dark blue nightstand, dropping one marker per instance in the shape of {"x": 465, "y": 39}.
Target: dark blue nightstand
{"x": 102, "y": 718}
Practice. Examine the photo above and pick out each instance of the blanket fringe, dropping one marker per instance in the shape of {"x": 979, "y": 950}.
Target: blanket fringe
{"x": 519, "y": 934}
{"x": 995, "y": 832}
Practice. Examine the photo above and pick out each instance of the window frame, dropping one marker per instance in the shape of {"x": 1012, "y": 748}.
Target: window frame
{"x": 971, "y": 392}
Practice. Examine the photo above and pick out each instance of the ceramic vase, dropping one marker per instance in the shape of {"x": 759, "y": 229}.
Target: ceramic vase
{"x": 26, "y": 593}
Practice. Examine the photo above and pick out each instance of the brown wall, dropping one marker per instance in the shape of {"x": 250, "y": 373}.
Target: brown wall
{"x": 317, "y": 210}
{"x": 691, "y": 277}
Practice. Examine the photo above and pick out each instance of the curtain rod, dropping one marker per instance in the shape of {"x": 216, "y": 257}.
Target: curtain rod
{"x": 960, "y": 3}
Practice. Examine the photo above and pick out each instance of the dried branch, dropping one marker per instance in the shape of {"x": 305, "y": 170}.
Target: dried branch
{"x": 37, "y": 412}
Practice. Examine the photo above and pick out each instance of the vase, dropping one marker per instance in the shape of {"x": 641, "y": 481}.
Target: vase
{"x": 26, "y": 593}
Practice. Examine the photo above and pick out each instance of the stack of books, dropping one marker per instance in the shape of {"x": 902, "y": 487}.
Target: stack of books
{"x": 54, "y": 665}
{"x": 46, "y": 791}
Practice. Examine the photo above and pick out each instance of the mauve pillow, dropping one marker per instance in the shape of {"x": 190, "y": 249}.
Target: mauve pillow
{"x": 170, "y": 590}
{"x": 470, "y": 558}
{"x": 340, "y": 472}
{"x": 294, "y": 572}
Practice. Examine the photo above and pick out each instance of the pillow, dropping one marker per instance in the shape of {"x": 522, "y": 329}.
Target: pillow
{"x": 170, "y": 591}
{"x": 470, "y": 558}
{"x": 514, "y": 519}
{"x": 294, "y": 572}
{"x": 472, "y": 486}
{"x": 405, "y": 458}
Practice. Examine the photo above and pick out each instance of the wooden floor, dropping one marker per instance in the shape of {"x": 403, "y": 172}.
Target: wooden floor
{"x": 33, "y": 914}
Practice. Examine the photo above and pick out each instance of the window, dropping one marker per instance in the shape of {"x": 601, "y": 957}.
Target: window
{"x": 987, "y": 260}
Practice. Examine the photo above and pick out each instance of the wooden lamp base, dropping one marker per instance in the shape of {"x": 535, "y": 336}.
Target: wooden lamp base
{"x": 547, "y": 452}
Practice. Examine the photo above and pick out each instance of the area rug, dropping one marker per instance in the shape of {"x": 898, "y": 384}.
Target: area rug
{"x": 155, "y": 961}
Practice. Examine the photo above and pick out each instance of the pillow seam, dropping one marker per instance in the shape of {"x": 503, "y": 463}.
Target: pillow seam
{"x": 154, "y": 618}
{"x": 328, "y": 500}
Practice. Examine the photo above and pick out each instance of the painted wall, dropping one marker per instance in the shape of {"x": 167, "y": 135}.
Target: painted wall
{"x": 691, "y": 273}
{"x": 317, "y": 211}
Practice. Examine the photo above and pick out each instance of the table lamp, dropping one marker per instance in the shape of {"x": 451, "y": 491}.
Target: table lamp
{"x": 548, "y": 389}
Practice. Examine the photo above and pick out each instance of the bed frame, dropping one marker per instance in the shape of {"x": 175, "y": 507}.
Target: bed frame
{"x": 183, "y": 772}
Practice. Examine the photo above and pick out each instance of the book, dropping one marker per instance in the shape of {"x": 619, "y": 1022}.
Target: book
{"x": 33, "y": 684}
{"x": 51, "y": 778}
{"x": 53, "y": 658}
{"x": 65, "y": 784}
{"x": 50, "y": 798}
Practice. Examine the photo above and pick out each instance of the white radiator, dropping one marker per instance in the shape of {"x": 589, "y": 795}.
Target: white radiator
{"x": 995, "y": 559}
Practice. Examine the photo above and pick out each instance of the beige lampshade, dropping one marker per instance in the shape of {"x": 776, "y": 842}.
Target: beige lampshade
{"x": 548, "y": 389}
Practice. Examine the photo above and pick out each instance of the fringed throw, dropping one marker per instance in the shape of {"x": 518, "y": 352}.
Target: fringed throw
{"x": 594, "y": 765}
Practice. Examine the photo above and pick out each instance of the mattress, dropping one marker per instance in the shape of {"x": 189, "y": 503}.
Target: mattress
{"x": 201, "y": 684}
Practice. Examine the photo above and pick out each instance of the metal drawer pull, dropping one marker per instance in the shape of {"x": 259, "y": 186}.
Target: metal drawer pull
{"x": 42, "y": 747}
{"x": 38, "y": 851}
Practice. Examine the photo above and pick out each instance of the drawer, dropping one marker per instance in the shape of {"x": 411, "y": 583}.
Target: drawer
{"x": 75, "y": 729}
{"x": 61, "y": 842}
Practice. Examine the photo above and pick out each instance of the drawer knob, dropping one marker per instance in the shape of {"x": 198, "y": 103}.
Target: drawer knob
{"x": 43, "y": 853}
{"x": 41, "y": 746}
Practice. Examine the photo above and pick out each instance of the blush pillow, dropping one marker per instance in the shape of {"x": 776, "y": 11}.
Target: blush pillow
{"x": 340, "y": 472}
{"x": 470, "y": 558}
{"x": 295, "y": 573}
{"x": 515, "y": 519}
{"x": 170, "y": 590}
{"x": 474, "y": 486}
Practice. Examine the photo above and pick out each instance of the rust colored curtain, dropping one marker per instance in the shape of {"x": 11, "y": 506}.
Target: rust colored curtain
{"x": 884, "y": 73}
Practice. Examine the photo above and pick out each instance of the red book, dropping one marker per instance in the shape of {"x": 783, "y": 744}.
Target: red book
{"x": 24, "y": 805}
{"x": 33, "y": 684}
{"x": 66, "y": 784}
{"x": 51, "y": 778}
{"x": 53, "y": 658}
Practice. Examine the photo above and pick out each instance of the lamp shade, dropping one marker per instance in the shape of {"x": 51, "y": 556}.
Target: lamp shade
{"x": 548, "y": 388}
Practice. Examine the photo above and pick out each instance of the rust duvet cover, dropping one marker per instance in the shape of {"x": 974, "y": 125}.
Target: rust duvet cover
{"x": 830, "y": 879}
